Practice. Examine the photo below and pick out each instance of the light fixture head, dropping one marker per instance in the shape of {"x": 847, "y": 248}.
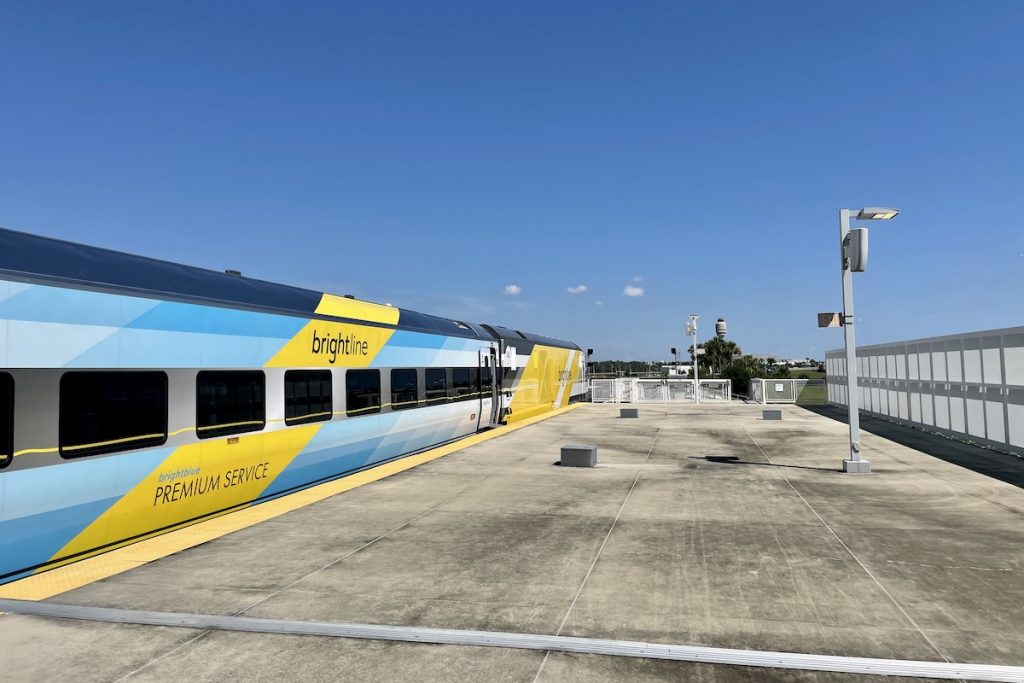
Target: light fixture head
{"x": 876, "y": 213}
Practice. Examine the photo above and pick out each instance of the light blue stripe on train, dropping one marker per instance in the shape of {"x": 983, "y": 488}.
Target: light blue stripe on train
{"x": 64, "y": 328}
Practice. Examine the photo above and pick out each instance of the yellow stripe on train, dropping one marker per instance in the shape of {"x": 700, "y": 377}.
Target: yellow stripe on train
{"x": 342, "y": 307}
{"x": 194, "y": 480}
{"x": 541, "y": 381}
{"x": 326, "y": 344}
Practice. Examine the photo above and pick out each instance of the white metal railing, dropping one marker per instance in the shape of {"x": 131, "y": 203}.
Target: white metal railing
{"x": 680, "y": 391}
{"x": 715, "y": 390}
{"x": 788, "y": 391}
{"x": 669, "y": 390}
{"x": 969, "y": 386}
{"x": 648, "y": 390}
{"x": 626, "y": 390}
{"x": 602, "y": 391}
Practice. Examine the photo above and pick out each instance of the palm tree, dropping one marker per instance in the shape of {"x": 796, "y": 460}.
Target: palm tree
{"x": 718, "y": 353}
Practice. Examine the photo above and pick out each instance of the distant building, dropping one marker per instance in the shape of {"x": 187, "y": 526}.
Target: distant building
{"x": 677, "y": 370}
{"x": 779, "y": 361}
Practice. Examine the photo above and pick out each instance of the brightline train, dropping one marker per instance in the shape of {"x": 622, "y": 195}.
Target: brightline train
{"x": 139, "y": 395}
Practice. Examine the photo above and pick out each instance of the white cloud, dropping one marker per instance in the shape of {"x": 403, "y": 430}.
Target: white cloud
{"x": 599, "y": 302}
{"x": 630, "y": 290}
{"x": 578, "y": 289}
{"x": 513, "y": 290}
{"x": 638, "y": 278}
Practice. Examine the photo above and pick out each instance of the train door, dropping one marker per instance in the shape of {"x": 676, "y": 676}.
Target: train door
{"x": 490, "y": 390}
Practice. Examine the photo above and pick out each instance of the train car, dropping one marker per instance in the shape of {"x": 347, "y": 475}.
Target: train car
{"x": 139, "y": 395}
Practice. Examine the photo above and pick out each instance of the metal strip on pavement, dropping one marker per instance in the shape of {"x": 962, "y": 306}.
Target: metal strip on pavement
{"x": 526, "y": 641}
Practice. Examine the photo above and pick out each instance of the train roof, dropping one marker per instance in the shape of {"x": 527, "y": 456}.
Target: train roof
{"x": 28, "y": 257}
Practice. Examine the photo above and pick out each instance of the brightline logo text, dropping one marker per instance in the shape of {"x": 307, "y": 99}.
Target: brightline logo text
{"x": 343, "y": 344}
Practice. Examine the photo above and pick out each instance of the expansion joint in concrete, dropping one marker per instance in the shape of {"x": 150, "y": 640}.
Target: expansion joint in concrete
{"x": 849, "y": 551}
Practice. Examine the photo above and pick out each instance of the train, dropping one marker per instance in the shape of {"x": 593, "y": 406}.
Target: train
{"x": 138, "y": 396}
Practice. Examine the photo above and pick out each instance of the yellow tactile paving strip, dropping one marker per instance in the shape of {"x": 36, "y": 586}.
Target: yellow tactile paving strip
{"x": 83, "y": 572}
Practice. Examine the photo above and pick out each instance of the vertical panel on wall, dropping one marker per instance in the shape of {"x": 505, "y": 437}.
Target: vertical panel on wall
{"x": 939, "y": 361}
{"x": 893, "y": 402}
{"x": 1013, "y": 359}
{"x": 975, "y": 412}
{"x": 995, "y": 427}
{"x": 942, "y": 406}
{"x": 992, "y": 366}
{"x": 1015, "y": 408}
{"x": 927, "y": 413}
{"x": 957, "y": 409}
{"x": 954, "y": 361}
{"x": 972, "y": 360}
{"x": 915, "y": 402}
{"x": 904, "y": 411}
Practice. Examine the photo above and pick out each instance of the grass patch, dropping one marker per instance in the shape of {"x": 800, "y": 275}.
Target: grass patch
{"x": 805, "y": 373}
{"x": 816, "y": 394}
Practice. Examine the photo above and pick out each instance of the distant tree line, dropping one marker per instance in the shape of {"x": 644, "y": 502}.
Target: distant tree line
{"x": 627, "y": 368}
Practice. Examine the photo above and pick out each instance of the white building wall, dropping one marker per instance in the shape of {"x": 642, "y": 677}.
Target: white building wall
{"x": 970, "y": 386}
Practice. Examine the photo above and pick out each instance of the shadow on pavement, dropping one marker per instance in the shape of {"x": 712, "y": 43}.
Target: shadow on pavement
{"x": 1001, "y": 466}
{"x": 734, "y": 460}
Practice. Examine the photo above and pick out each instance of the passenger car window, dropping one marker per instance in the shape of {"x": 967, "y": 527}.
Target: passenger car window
{"x": 6, "y": 418}
{"x": 362, "y": 389}
{"x": 106, "y": 412}
{"x": 307, "y": 396}
{"x": 461, "y": 387}
{"x": 403, "y": 389}
{"x": 230, "y": 402}
{"x": 436, "y": 385}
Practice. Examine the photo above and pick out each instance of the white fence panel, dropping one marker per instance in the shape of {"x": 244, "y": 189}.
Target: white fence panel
{"x": 680, "y": 391}
{"x": 715, "y": 390}
{"x": 602, "y": 391}
{"x": 630, "y": 390}
{"x": 779, "y": 391}
{"x": 626, "y": 390}
{"x": 649, "y": 390}
{"x": 970, "y": 386}
{"x": 790, "y": 391}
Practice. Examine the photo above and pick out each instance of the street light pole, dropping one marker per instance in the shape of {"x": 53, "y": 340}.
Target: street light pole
{"x": 691, "y": 329}
{"x": 855, "y": 464}
{"x": 853, "y": 254}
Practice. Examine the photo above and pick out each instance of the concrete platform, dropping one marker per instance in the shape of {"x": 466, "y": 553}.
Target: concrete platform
{"x": 701, "y": 525}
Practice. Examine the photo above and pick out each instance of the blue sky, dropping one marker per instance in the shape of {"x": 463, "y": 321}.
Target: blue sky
{"x": 431, "y": 154}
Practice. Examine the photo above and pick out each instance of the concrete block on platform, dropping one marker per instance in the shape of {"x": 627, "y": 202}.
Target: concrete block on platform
{"x": 579, "y": 456}
{"x": 857, "y": 466}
